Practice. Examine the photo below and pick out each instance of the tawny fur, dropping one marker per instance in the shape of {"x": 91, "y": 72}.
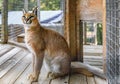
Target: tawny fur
{"x": 48, "y": 45}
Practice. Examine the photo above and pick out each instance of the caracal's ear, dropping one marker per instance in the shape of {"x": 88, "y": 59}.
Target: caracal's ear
{"x": 35, "y": 10}
{"x": 24, "y": 11}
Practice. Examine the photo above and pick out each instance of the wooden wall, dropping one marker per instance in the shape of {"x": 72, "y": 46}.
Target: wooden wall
{"x": 91, "y": 10}
{"x": 75, "y": 12}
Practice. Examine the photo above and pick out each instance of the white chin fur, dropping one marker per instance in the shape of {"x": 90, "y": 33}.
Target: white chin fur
{"x": 27, "y": 26}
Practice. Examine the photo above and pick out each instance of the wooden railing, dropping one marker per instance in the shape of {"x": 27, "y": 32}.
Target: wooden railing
{"x": 14, "y": 30}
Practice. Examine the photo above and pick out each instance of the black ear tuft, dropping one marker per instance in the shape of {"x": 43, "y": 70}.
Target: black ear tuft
{"x": 24, "y": 11}
{"x": 35, "y": 10}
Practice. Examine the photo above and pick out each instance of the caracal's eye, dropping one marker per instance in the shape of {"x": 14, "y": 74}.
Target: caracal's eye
{"x": 23, "y": 16}
{"x": 31, "y": 17}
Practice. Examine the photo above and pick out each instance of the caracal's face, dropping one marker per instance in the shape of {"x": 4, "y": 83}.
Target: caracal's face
{"x": 29, "y": 19}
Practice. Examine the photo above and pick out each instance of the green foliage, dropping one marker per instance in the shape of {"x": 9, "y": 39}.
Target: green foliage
{"x": 90, "y": 28}
{"x": 17, "y": 5}
{"x": 50, "y": 4}
{"x": 32, "y": 4}
{"x": 0, "y": 5}
{"x": 99, "y": 34}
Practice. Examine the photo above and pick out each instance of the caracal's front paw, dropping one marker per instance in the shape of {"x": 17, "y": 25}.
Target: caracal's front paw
{"x": 53, "y": 75}
{"x": 32, "y": 78}
{"x": 48, "y": 74}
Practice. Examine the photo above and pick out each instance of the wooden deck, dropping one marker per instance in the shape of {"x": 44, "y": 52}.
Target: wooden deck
{"x": 15, "y": 65}
{"x": 93, "y": 55}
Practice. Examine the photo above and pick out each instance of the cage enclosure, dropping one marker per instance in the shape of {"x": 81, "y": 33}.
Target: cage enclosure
{"x": 113, "y": 41}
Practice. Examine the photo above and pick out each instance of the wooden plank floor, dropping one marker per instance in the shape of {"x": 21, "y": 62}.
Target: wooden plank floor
{"x": 93, "y": 50}
{"x": 93, "y": 55}
{"x": 15, "y": 66}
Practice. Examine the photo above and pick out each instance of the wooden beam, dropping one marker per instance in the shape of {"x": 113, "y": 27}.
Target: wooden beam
{"x": 4, "y": 37}
{"x": 80, "y": 41}
{"x": 74, "y": 29}
{"x": 70, "y": 27}
{"x": 79, "y": 32}
{"x": 104, "y": 34}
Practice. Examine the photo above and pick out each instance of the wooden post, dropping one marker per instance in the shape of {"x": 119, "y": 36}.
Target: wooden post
{"x": 73, "y": 32}
{"x": 26, "y": 5}
{"x": 4, "y": 37}
{"x": 80, "y": 42}
{"x": 104, "y": 35}
{"x": 79, "y": 32}
{"x": 38, "y": 13}
{"x": 70, "y": 27}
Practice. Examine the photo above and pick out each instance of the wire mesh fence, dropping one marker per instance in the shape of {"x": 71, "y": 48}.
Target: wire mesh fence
{"x": 15, "y": 8}
{"x": 113, "y": 41}
{"x": 0, "y": 20}
{"x": 0, "y": 32}
{"x": 51, "y": 15}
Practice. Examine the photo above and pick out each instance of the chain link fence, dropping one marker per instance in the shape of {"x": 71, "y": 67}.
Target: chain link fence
{"x": 50, "y": 16}
{"x": 0, "y": 28}
{"x": 113, "y": 41}
{"x": 15, "y": 7}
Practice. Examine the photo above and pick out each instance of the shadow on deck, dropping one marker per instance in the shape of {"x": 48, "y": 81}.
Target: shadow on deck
{"x": 15, "y": 65}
